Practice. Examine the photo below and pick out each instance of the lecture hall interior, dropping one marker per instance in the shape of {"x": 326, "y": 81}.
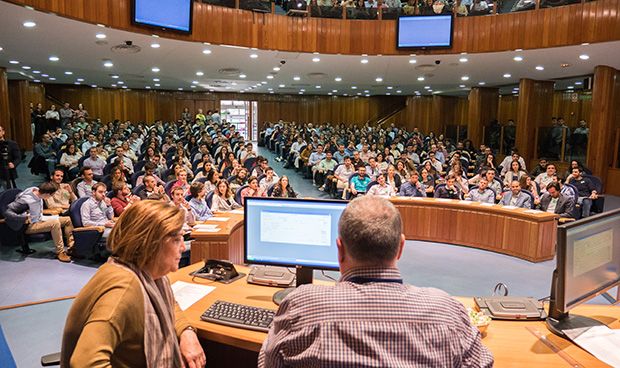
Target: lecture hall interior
{"x": 309, "y": 183}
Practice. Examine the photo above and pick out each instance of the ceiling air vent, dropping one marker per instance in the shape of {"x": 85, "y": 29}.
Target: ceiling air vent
{"x": 229, "y": 71}
{"x": 126, "y": 48}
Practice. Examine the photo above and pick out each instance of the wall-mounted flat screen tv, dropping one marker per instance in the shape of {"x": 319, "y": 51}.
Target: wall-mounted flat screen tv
{"x": 175, "y": 15}
{"x": 424, "y": 31}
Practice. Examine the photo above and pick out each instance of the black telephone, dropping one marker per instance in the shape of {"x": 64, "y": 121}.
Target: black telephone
{"x": 218, "y": 270}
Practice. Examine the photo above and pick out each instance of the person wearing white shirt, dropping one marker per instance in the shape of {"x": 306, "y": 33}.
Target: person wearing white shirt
{"x": 90, "y": 143}
{"x": 545, "y": 178}
{"x": 381, "y": 188}
{"x": 508, "y": 159}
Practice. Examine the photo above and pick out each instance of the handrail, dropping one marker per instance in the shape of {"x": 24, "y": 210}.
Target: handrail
{"x": 385, "y": 112}
{"x": 390, "y": 115}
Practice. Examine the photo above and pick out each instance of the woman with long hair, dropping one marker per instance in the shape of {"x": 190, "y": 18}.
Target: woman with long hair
{"x": 283, "y": 188}
{"x": 223, "y": 198}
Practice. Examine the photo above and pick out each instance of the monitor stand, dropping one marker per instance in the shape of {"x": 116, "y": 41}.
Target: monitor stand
{"x": 303, "y": 275}
{"x": 569, "y": 322}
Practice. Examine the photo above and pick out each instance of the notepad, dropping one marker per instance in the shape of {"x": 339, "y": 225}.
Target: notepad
{"x": 465, "y": 202}
{"x": 600, "y": 341}
{"x": 187, "y": 294}
{"x": 239, "y": 212}
{"x": 220, "y": 219}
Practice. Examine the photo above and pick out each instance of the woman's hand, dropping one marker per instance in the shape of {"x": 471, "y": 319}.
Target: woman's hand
{"x": 191, "y": 350}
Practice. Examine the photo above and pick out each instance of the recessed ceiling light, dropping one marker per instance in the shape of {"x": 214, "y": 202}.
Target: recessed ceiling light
{"x": 155, "y": 45}
{"x": 317, "y": 87}
{"x": 276, "y": 68}
{"x": 254, "y": 56}
{"x": 157, "y": 84}
{"x": 155, "y": 69}
{"x": 464, "y": 78}
{"x": 114, "y": 76}
{"x": 44, "y": 75}
{"x": 463, "y": 60}
{"x": 565, "y": 65}
{"x": 77, "y": 83}
{"x": 367, "y": 95}
{"x": 507, "y": 75}
{"x": 353, "y": 87}
{"x": 148, "y": 87}
{"x": 576, "y": 83}
{"x": 29, "y": 24}
{"x": 234, "y": 83}
{"x": 195, "y": 82}
{"x": 124, "y": 87}
{"x": 482, "y": 83}
{"x": 518, "y": 50}
{"x": 366, "y": 91}
{"x": 378, "y": 79}
{"x": 108, "y": 64}
{"x": 296, "y": 78}
{"x": 93, "y": 85}
{"x": 329, "y": 93}
{"x": 26, "y": 67}
{"x": 200, "y": 74}
{"x": 303, "y": 90}
{"x": 52, "y": 78}
{"x": 334, "y": 90}
{"x": 180, "y": 89}
{"x": 54, "y": 58}
{"x": 101, "y": 36}
{"x": 399, "y": 91}
{"x": 68, "y": 73}
{"x": 585, "y": 44}
{"x": 39, "y": 72}
{"x": 430, "y": 90}
{"x": 242, "y": 76}
{"x": 338, "y": 79}
{"x": 120, "y": 82}
{"x": 263, "y": 82}
{"x": 315, "y": 53}
{"x": 515, "y": 88}
{"x": 271, "y": 92}
{"x": 206, "y": 51}
{"x": 300, "y": 93}
{"x": 80, "y": 79}
{"x": 155, "y": 36}
{"x": 427, "y": 87}
{"x": 346, "y": 94}
{"x": 584, "y": 57}
{"x": 113, "y": 85}
{"x": 316, "y": 59}
{"x": 518, "y": 58}
{"x": 13, "y": 62}
{"x": 100, "y": 25}
{"x": 420, "y": 79}
{"x": 37, "y": 81}
{"x": 461, "y": 85}
{"x": 570, "y": 87}
{"x": 540, "y": 67}
{"x": 364, "y": 61}
{"x": 389, "y": 87}
{"x": 281, "y": 86}
{"x": 270, "y": 77}
{"x": 412, "y": 61}
{"x": 269, "y": 89}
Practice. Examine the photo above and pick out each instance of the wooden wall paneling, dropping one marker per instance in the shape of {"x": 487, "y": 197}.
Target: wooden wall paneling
{"x": 596, "y": 21}
{"x": 19, "y": 108}
{"x": 570, "y": 108}
{"x": 5, "y": 116}
{"x": 483, "y": 104}
{"x": 605, "y": 118}
{"x": 534, "y": 107}
{"x": 507, "y": 108}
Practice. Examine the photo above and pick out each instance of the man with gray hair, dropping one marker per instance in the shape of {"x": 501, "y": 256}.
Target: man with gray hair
{"x": 370, "y": 318}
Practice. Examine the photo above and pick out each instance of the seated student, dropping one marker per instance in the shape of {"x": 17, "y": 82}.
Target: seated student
{"x": 382, "y": 188}
{"x": 96, "y": 163}
{"x": 358, "y": 183}
{"x": 261, "y": 165}
{"x": 528, "y": 184}
{"x": 204, "y": 170}
{"x": 149, "y": 169}
{"x": 197, "y": 204}
{"x": 252, "y": 190}
{"x": 97, "y": 210}
{"x": 489, "y": 174}
{"x": 269, "y": 179}
{"x": 514, "y": 173}
{"x": 178, "y": 200}
{"x": 85, "y": 187}
{"x": 546, "y": 177}
{"x": 60, "y": 201}
{"x": 27, "y": 208}
{"x": 122, "y": 198}
{"x": 151, "y": 188}
{"x": 388, "y": 323}
{"x": 283, "y": 189}
{"x": 341, "y": 175}
{"x": 322, "y": 170}
{"x": 483, "y": 194}
{"x": 554, "y": 201}
{"x": 541, "y": 168}
{"x": 412, "y": 187}
{"x": 181, "y": 181}
{"x": 392, "y": 178}
{"x": 223, "y": 198}
{"x": 450, "y": 190}
{"x": 515, "y": 197}
{"x": 586, "y": 190}
{"x": 372, "y": 169}
{"x": 240, "y": 179}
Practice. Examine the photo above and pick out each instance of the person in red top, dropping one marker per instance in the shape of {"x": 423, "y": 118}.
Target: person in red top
{"x": 122, "y": 198}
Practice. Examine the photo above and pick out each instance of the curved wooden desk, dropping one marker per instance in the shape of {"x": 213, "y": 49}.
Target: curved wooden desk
{"x": 529, "y": 235}
{"x": 510, "y": 342}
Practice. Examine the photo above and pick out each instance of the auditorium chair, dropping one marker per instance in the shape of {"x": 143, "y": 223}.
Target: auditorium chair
{"x": 8, "y": 236}
{"x": 370, "y": 185}
{"x": 168, "y": 187}
{"x": 139, "y": 165}
{"x": 598, "y": 205}
{"x": 270, "y": 189}
{"x": 230, "y": 179}
{"x": 238, "y": 193}
{"x": 137, "y": 189}
{"x": 134, "y": 177}
{"x": 209, "y": 198}
{"x": 89, "y": 240}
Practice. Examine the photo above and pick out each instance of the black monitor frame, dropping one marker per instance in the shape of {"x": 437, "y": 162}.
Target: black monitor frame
{"x": 559, "y": 318}
{"x": 155, "y": 26}
{"x": 424, "y": 47}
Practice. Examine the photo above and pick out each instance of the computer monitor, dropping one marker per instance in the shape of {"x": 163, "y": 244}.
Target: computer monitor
{"x": 588, "y": 264}
{"x": 298, "y": 233}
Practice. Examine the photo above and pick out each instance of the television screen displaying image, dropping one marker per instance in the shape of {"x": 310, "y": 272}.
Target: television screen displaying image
{"x": 424, "y": 31}
{"x": 166, "y": 14}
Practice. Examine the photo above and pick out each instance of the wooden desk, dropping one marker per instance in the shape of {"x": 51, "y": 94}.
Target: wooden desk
{"x": 515, "y": 232}
{"x": 511, "y": 344}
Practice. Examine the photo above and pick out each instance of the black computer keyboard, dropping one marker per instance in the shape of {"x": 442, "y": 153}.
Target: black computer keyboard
{"x": 238, "y": 315}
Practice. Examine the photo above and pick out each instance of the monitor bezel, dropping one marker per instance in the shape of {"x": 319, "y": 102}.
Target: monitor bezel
{"x": 398, "y": 47}
{"x": 560, "y": 284}
{"x": 158, "y": 27}
{"x": 273, "y": 199}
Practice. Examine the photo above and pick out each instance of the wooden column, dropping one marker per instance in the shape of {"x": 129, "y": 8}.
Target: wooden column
{"x": 535, "y": 106}
{"x": 603, "y": 119}
{"x": 5, "y": 117}
{"x": 19, "y": 101}
{"x": 443, "y": 112}
{"x": 483, "y": 104}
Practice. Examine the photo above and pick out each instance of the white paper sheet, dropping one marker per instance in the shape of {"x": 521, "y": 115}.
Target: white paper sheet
{"x": 510, "y": 207}
{"x": 443, "y": 199}
{"x": 600, "y": 341}
{"x": 220, "y": 219}
{"x": 205, "y": 226}
{"x": 187, "y": 294}
{"x": 239, "y": 212}
{"x": 207, "y": 230}
{"x": 49, "y": 217}
{"x": 487, "y": 204}
{"x": 533, "y": 211}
